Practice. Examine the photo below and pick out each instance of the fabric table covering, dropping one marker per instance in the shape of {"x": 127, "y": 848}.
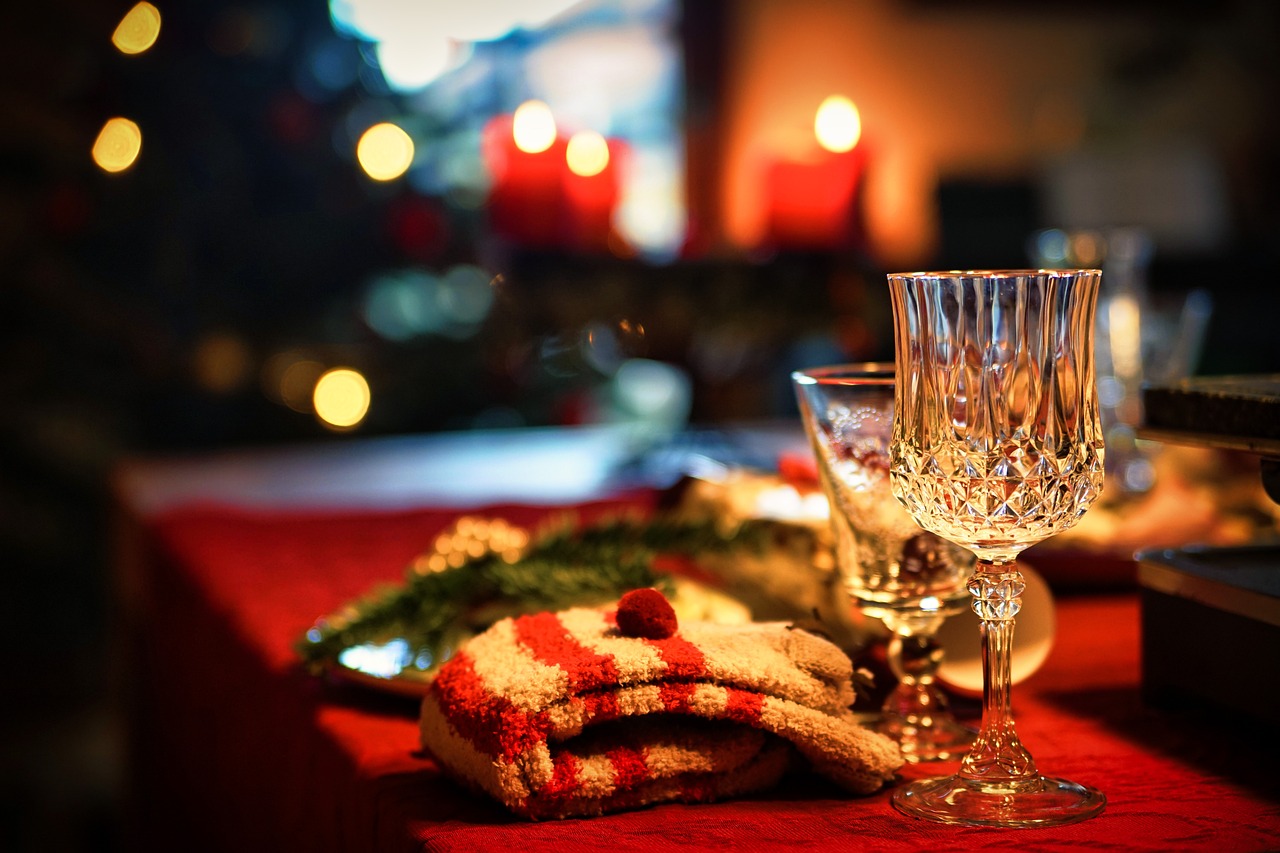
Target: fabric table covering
{"x": 235, "y": 747}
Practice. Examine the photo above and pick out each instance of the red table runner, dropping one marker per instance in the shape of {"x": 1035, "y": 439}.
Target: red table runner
{"x": 236, "y": 748}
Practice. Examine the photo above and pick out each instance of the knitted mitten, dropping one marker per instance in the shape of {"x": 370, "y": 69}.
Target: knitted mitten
{"x": 560, "y": 714}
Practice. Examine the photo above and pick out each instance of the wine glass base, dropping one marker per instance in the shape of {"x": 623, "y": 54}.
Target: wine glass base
{"x": 1044, "y": 802}
{"x": 940, "y": 738}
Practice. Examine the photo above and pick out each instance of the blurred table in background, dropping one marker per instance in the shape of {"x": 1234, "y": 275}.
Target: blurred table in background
{"x": 226, "y": 560}
{"x": 1240, "y": 413}
{"x": 1231, "y": 592}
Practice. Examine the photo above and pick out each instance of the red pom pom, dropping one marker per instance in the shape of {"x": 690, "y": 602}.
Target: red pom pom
{"x": 646, "y": 613}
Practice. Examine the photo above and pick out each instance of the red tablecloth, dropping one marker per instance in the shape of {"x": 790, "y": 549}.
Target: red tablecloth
{"x": 236, "y": 748}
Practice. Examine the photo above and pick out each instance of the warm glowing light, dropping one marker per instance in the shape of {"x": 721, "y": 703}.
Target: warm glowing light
{"x": 533, "y": 127}
{"x": 837, "y": 124}
{"x": 651, "y": 217}
{"x": 221, "y": 362}
{"x": 297, "y": 382}
{"x": 1086, "y": 248}
{"x": 137, "y": 30}
{"x": 117, "y": 145}
{"x": 341, "y": 398}
{"x": 1125, "y": 331}
{"x": 385, "y": 152}
{"x": 587, "y": 154}
{"x": 290, "y": 377}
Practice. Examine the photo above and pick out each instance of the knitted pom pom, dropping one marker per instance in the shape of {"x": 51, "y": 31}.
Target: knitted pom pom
{"x": 646, "y": 613}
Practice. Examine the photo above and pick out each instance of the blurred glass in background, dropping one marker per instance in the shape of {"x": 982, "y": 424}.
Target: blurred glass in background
{"x": 1141, "y": 337}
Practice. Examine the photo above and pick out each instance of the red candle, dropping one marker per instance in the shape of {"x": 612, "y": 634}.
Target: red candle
{"x": 815, "y": 203}
{"x": 592, "y": 197}
{"x": 537, "y": 200}
{"x": 526, "y": 202}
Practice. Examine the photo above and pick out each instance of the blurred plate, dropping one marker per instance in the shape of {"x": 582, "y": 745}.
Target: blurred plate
{"x": 961, "y": 669}
{"x": 387, "y": 667}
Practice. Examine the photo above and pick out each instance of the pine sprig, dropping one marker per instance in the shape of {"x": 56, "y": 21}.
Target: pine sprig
{"x": 564, "y": 566}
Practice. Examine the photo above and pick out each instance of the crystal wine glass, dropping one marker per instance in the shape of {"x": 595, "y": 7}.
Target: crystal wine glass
{"x": 997, "y": 444}
{"x": 894, "y": 571}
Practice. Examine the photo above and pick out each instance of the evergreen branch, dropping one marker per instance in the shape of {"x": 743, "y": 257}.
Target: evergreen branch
{"x": 562, "y": 567}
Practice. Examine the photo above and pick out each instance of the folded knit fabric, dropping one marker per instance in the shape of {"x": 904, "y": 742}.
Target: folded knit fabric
{"x": 564, "y": 714}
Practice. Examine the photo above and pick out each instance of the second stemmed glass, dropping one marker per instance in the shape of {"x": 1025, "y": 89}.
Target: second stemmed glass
{"x": 894, "y": 571}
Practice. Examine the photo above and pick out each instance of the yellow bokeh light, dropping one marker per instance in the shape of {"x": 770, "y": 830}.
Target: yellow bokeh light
{"x": 837, "y": 124}
{"x": 385, "y": 152}
{"x": 341, "y": 397}
{"x": 138, "y": 29}
{"x": 533, "y": 127}
{"x": 117, "y": 145}
{"x": 587, "y": 154}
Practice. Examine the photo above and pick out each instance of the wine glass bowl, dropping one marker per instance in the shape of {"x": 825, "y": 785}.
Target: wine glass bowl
{"x": 892, "y": 569}
{"x": 997, "y": 444}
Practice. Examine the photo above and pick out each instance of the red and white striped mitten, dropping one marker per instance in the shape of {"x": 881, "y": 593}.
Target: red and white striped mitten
{"x": 589, "y": 711}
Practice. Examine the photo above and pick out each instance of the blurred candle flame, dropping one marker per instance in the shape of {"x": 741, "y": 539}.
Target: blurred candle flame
{"x": 533, "y": 127}
{"x": 837, "y": 124}
{"x": 587, "y": 154}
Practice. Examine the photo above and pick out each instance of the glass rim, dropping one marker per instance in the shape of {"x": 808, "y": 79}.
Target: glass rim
{"x": 997, "y": 273}
{"x": 848, "y": 373}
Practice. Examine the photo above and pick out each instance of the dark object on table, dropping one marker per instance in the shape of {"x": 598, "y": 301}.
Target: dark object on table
{"x": 1230, "y": 412}
{"x": 1211, "y": 628}
{"x": 1240, "y": 409}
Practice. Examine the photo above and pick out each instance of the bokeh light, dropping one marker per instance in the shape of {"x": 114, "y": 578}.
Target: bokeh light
{"x": 652, "y": 392}
{"x": 651, "y": 216}
{"x": 400, "y": 306}
{"x": 329, "y": 67}
{"x": 587, "y": 154}
{"x": 407, "y": 304}
{"x": 1087, "y": 248}
{"x": 533, "y": 127}
{"x": 222, "y": 362}
{"x": 1051, "y": 247}
{"x": 385, "y": 151}
{"x": 473, "y": 20}
{"x": 837, "y": 124}
{"x": 464, "y": 299}
{"x": 290, "y": 377}
{"x": 137, "y": 30}
{"x": 297, "y": 383}
{"x": 341, "y": 398}
{"x": 1124, "y": 326}
{"x": 411, "y": 63}
{"x": 118, "y": 145}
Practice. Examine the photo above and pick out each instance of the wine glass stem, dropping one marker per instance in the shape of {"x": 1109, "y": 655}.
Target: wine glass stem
{"x": 997, "y": 760}
{"x": 914, "y": 658}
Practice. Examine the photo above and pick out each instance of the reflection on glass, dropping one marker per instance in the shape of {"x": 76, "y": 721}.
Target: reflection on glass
{"x": 1142, "y": 337}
